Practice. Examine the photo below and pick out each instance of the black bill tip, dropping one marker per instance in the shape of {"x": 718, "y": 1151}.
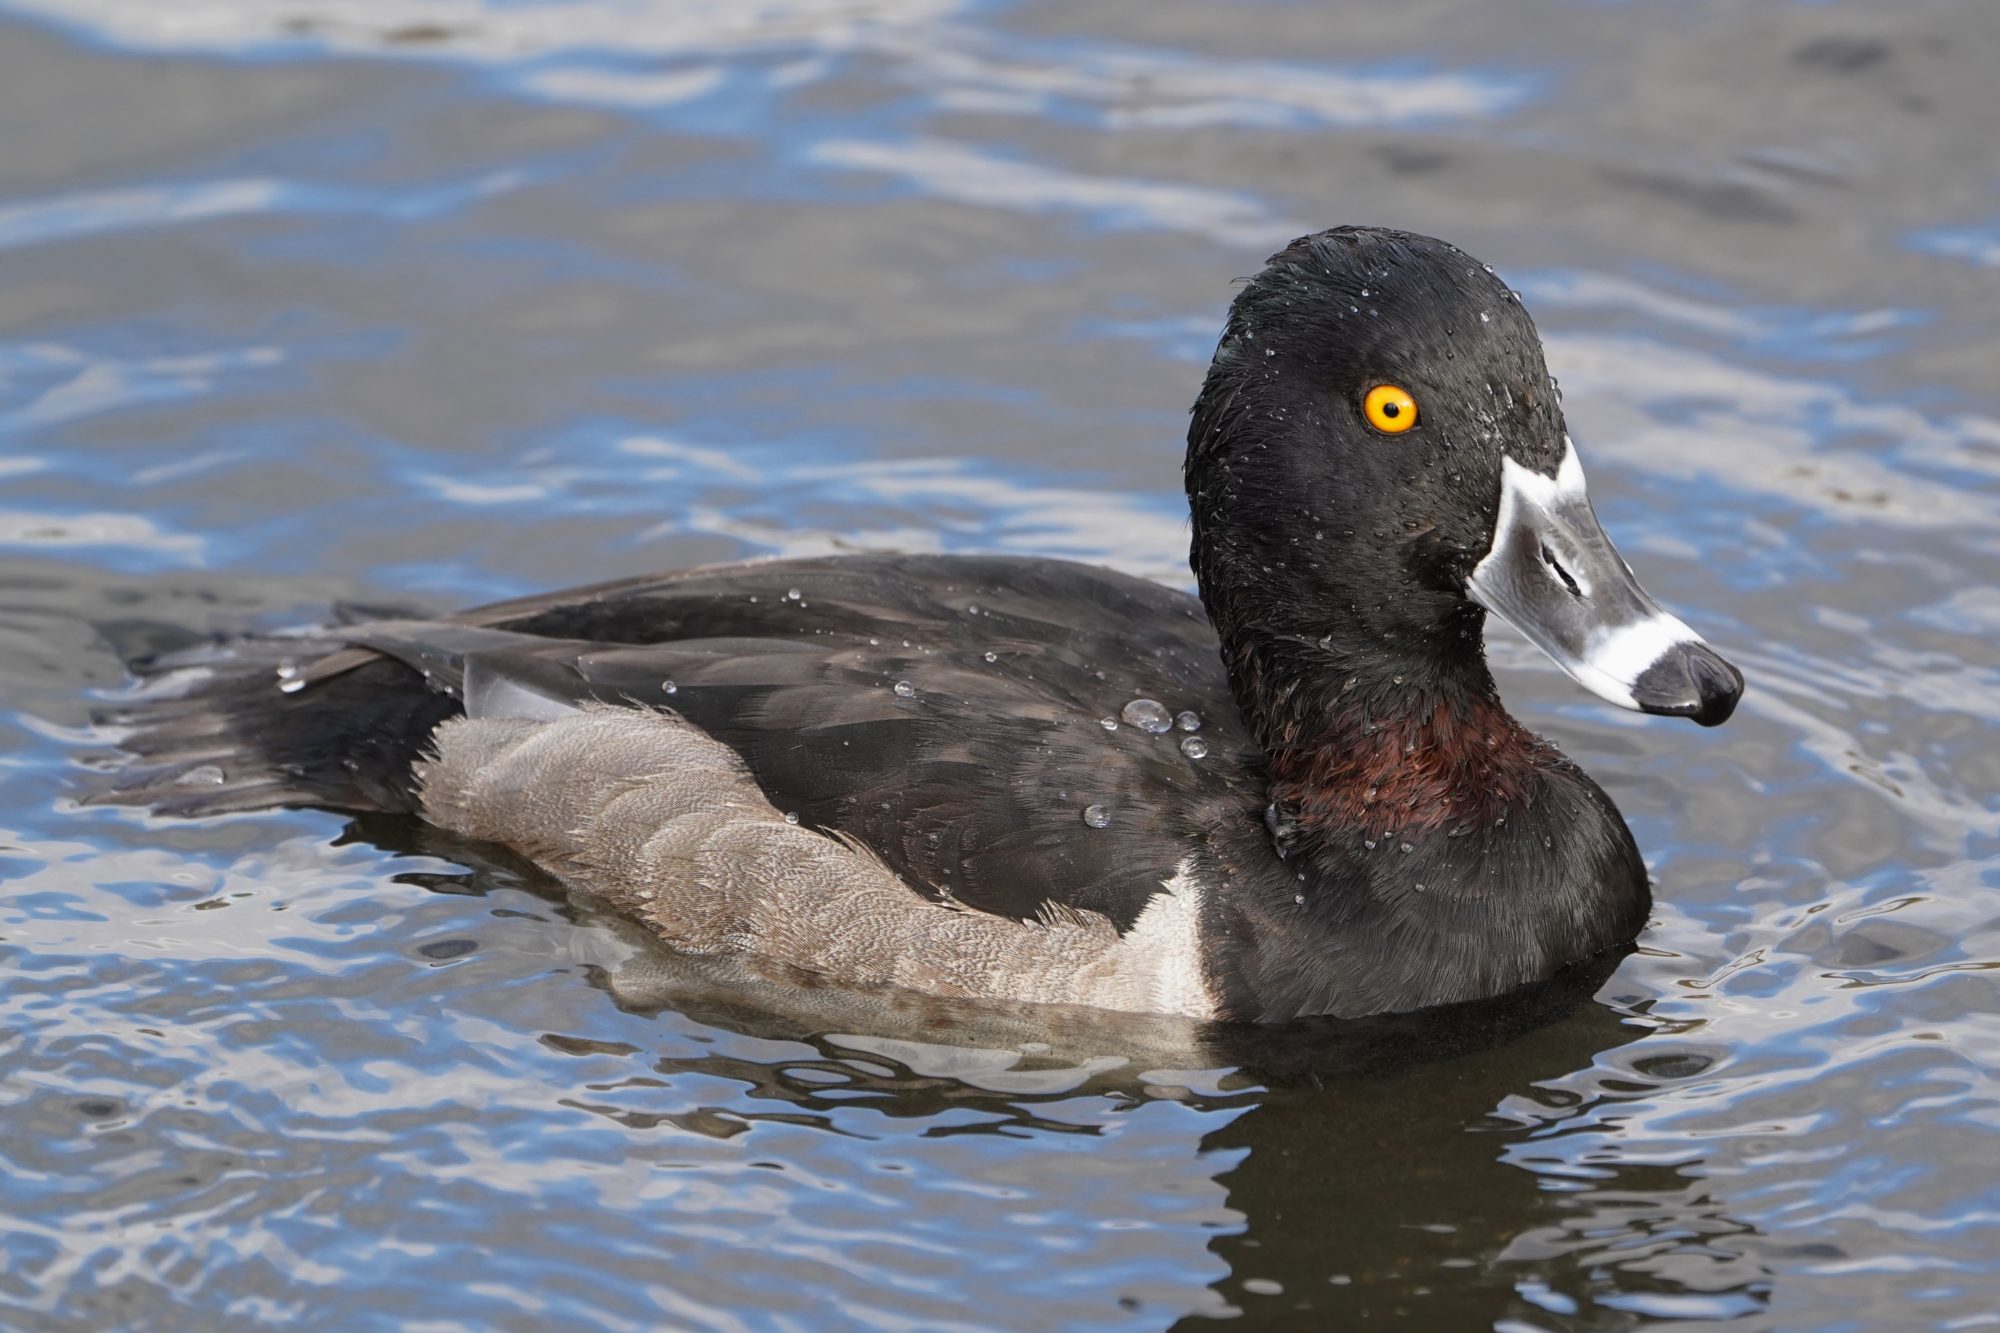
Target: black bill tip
{"x": 1690, "y": 680}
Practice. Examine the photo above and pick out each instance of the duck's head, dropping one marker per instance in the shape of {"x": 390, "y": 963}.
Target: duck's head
{"x": 1379, "y": 456}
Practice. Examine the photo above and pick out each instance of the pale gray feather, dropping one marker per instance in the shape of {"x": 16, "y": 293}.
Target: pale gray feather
{"x": 666, "y": 824}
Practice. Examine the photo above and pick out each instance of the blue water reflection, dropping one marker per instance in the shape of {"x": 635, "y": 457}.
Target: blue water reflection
{"x": 327, "y": 300}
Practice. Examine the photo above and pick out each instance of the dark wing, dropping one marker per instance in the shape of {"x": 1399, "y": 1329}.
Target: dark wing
{"x": 945, "y": 711}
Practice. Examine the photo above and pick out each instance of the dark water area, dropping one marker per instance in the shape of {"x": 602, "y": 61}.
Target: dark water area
{"x": 439, "y": 302}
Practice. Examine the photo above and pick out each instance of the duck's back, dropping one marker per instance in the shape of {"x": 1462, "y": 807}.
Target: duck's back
{"x": 950, "y": 714}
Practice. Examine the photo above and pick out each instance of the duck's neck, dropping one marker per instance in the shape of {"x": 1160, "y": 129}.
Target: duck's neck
{"x": 1366, "y": 739}
{"x": 1423, "y": 847}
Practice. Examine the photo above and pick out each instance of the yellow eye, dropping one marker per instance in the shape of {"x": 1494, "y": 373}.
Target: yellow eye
{"x": 1390, "y": 409}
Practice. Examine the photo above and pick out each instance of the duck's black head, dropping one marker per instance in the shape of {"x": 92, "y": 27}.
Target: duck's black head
{"x": 1377, "y": 458}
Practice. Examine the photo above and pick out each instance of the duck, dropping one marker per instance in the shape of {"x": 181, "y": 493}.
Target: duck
{"x": 1293, "y": 794}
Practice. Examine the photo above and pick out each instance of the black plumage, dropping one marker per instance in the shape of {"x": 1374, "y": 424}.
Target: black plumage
{"x": 859, "y": 691}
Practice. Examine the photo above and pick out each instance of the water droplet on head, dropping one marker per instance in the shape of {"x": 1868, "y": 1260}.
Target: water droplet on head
{"x": 1097, "y": 816}
{"x": 907, "y": 690}
{"x": 1108, "y": 723}
{"x": 1188, "y": 720}
{"x": 202, "y": 775}
{"x": 1194, "y": 747}
{"x": 791, "y": 816}
{"x": 792, "y": 594}
{"x": 1406, "y": 847}
{"x": 668, "y": 687}
{"x": 992, "y": 657}
{"x": 1148, "y": 715}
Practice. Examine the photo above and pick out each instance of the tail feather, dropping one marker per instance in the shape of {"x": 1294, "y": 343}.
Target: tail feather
{"x": 211, "y": 731}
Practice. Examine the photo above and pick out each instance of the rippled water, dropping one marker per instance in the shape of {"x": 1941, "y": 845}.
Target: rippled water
{"x": 315, "y": 299}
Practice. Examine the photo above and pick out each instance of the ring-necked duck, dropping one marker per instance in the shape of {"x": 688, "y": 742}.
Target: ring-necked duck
{"x": 1030, "y": 779}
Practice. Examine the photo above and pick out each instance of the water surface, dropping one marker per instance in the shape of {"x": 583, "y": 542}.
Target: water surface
{"x": 315, "y": 300}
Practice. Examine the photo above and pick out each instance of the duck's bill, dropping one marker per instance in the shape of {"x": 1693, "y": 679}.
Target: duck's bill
{"x": 1555, "y": 576}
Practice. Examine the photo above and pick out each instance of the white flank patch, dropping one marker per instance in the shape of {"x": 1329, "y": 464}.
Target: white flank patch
{"x": 1164, "y": 948}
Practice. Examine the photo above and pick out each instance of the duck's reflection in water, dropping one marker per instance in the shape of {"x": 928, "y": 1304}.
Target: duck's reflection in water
{"x": 1423, "y": 1170}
